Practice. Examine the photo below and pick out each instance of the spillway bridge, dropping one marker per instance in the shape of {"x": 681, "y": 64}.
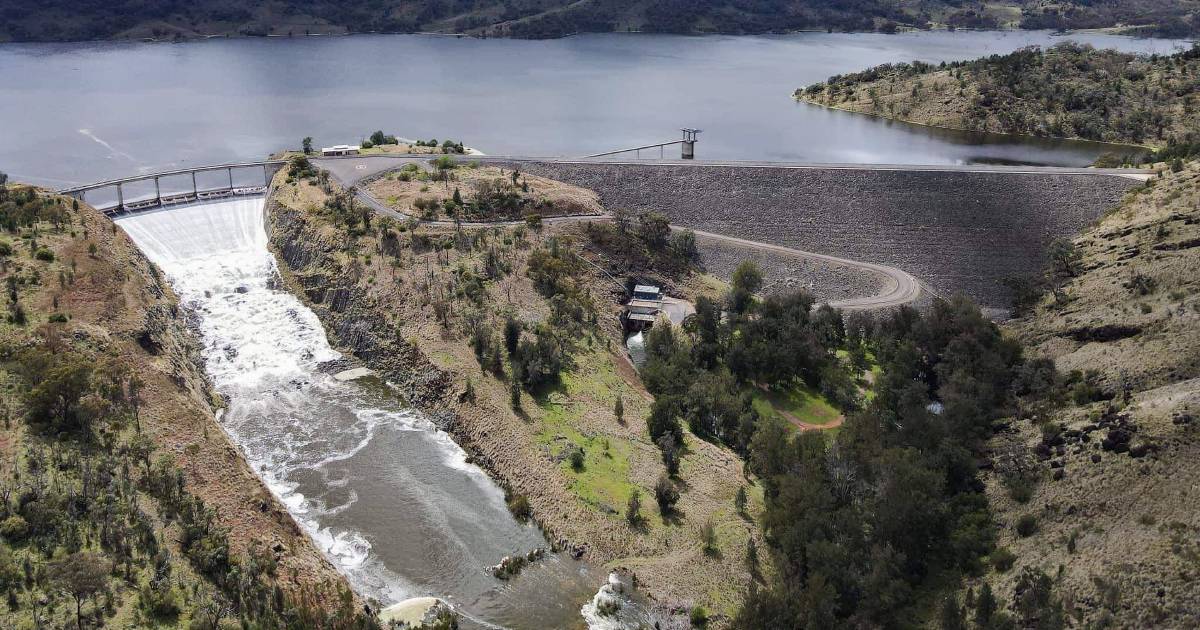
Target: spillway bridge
{"x": 130, "y": 194}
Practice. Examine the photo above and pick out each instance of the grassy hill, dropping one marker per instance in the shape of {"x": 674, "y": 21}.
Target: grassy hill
{"x": 1098, "y": 492}
{"x": 60, "y": 20}
{"x": 1067, "y": 91}
{"x": 122, "y": 500}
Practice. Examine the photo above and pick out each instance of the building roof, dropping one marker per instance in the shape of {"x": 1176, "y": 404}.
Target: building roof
{"x": 643, "y": 317}
{"x": 654, "y": 304}
{"x": 646, "y": 288}
{"x": 340, "y": 147}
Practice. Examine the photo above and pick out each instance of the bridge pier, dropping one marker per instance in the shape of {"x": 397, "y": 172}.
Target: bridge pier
{"x": 230, "y": 171}
{"x": 120, "y": 198}
{"x": 157, "y": 193}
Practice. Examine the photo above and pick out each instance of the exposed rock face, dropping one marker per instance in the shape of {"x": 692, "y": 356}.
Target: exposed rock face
{"x": 956, "y": 230}
{"x": 345, "y": 308}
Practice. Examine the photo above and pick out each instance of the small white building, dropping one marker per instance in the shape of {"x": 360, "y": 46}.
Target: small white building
{"x": 645, "y": 306}
{"x": 339, "y": 149}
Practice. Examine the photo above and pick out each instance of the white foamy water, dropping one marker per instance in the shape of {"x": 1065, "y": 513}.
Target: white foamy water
{"x": 391, "y": 500}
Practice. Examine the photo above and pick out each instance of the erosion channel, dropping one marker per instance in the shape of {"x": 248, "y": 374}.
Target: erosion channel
{"x": 390, "y": 498}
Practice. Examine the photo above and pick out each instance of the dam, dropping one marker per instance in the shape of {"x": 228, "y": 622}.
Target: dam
{"x": 388, "y": 497}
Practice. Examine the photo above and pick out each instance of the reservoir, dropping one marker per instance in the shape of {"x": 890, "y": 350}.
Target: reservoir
{"x": 82, "y": 112}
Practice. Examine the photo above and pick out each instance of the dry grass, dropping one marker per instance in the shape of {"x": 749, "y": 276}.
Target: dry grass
{"x": 116, "y": 296}
{"x": 1133, "y": 519}
{"x": 545, "y": 197}
{"x": 525, "y": 450}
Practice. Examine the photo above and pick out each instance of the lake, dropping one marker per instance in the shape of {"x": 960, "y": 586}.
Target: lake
{"x": 82, "y": 112}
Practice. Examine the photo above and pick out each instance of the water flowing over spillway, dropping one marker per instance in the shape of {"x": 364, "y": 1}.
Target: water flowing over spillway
{"x": 389, "y": 498}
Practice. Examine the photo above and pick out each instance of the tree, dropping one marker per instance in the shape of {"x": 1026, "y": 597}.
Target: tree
{"x": 56, "y": 400}
{"x": 747, "y": 280}
{"x": 512, "y": 335}
{"x": 306, "y": 145}
{"x": 619, "y": 409}
{"x": 81, "y": 575}
{"x": 654, "y": 229}
{"x": 666, "y": 494}
{"x": 534, "y": 222}
{"x": 633, "y": 509}
{"x": 985, "y": 606}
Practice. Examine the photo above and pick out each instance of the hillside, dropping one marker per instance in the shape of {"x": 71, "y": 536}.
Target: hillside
{"x": 509, "y": 337}
{"x": 124, "y": 502}
{"x": 64, "y": 20}
{"x": 1066, "y": 91}
{"x": 1099, "y": 493}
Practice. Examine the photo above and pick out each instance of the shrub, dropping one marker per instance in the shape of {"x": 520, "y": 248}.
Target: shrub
{"x": 699, "y": 617}
{"x": 44, "y": 254}
{"x": 666, "y": 494}
{"x": 1027, "y": 525}
{"x": 519, "y": 506}
{"x": 1002, "y": 559}
{"x": 633, "y": 509}
{"x": 14, "y": 529}
{"x": 708, "y": 537}
{"x": 5, "y": 249}
{"x": 576, "y": 458}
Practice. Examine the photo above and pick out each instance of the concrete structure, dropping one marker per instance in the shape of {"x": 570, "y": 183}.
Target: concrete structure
{"x": 227, "y": 189}
{"x": 689, "y": 143}
{"x": 644, "y": 307}
{"x": 339, "y": 149}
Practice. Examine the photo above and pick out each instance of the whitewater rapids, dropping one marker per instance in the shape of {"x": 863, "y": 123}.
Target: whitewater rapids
{"x": 389, "y": 498}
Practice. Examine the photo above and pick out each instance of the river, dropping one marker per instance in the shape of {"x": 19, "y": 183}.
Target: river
{"x": 82, "y": 112}
{"x": 389, "y": 498}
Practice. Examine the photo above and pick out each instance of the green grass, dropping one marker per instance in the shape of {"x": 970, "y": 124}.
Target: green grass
{"x": 603, "y": 482}
{"x": 801, "y": 401}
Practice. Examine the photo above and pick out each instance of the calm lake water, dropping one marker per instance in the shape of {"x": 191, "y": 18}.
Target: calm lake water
{"x": 76, "y": 113}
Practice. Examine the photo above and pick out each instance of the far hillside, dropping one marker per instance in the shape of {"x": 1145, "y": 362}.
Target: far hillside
{"x": 66, "y": 20}
{"x": 1068, "y": 91}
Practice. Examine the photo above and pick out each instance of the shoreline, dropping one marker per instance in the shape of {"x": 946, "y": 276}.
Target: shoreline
{"x": 1116, "y": 30}
{"x": 1021, "y": 136}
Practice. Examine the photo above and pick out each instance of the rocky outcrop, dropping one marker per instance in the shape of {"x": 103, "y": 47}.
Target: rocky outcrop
{"x": 311, "y": 267}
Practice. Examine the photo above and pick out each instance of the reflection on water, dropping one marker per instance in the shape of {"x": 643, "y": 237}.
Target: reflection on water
{"x": 123, "y": 108}
{"x": 389, "y": 498}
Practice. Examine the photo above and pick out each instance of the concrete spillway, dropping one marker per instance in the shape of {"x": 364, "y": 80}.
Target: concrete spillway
{"x": 388, "y": 497}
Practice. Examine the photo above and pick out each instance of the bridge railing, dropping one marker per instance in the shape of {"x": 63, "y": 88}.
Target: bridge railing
{"x": 122, "y": 205}
{"x": 637, "y": 151}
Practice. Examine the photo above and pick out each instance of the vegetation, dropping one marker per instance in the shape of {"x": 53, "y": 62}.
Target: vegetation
{"x": 59, "y": 20}
{"x": 643, "y": 244}
{"x": 468, "y": 191}
{"x": 98, "y": 524}
{"x": 709, "y": 373}
{"x": 862, "y": 523}
{"x": 1069, "y": 91}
